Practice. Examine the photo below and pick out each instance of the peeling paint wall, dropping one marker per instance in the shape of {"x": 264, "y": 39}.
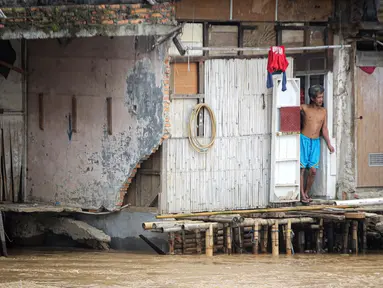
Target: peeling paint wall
{"x": 90, "y": 169}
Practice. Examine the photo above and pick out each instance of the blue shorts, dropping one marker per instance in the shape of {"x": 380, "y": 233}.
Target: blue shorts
{"x": 310, "y": 152}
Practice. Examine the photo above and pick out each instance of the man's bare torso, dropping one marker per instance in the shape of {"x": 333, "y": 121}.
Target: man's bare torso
{"x": 313, "y": 120}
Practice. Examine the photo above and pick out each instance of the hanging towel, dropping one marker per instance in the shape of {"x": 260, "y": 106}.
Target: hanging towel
{"x": 276, "y": 64}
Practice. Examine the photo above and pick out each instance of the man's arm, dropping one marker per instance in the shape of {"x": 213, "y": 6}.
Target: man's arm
{"x": 325, "y": 133}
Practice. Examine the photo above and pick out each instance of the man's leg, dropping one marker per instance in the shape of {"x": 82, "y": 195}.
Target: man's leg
{"x": 303, "y": 195}
{"x": 310, "y": 181}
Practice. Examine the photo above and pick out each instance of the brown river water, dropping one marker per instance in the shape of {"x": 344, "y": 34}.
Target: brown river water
{"x": 115, "y": 269}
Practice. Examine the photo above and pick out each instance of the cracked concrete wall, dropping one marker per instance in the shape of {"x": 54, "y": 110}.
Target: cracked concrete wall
{"x": 89, "y": 169}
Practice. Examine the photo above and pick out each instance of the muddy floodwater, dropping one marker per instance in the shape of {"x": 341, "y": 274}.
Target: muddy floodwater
{"x": 115, "y": 269}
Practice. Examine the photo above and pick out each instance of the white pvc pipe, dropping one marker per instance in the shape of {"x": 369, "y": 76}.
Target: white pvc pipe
{"x": 361, "y": 202}
{"x": 266, "y": 48}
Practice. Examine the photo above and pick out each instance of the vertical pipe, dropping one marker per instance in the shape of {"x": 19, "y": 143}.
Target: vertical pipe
{"x": 171, "y": 243}
{"x": 41, "y": 111}
{"x": 275, "y": 239}
{"x": 265, "y": 239}
{"x": 231, "y": 10}
{"x": 256, "y": 236}
{"x": 288, "y": 238}
{"x": 209, "y": 241}
{"x": 301, "y": 241}
{"x": 183, "y": 242}
{"x": 74, "y": 114}
{"x": 198, "y": 241}
{"x": 355, "y": 236}
{"x": 346, "y": 229}
{"x": 24, "y": 59}
{"x": 228, "y": 240}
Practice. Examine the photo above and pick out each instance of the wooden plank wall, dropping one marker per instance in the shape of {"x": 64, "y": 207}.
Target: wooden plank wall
{"x": 12, "y": 156}
{"x": 369, "y": 129}
{"x": 254, "y": 10}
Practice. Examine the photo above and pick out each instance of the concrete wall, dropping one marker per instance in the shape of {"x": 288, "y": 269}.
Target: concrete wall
{"x": 89, "y": 169}
{"x": 344, "y": 127}
{"x": 124, "y": 229}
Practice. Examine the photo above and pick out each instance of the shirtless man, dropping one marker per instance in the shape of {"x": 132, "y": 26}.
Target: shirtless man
{"x": 314, "y": 121}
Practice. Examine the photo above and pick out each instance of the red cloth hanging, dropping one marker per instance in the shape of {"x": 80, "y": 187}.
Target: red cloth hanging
{"x": 277, "y": 59}
{"x": 368, "y": 69}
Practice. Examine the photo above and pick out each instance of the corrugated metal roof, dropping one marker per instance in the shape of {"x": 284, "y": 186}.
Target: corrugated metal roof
{"x": 234, "y": 174}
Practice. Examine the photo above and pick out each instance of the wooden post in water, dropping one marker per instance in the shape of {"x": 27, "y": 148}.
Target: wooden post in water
{"x": 209, "y": 241}
{"x": 255, "y": 240}
{"x": 330, "y": 237}
{"x": 320, "y": 237}
{"x": 355, "y": 236}
{"x": 228, "y": 240}
{"x": 364, "y": 236}
{"x": 346, "y": 230}
{"x": 275, "y": 239}
{"x": 198, "y": 241}
{"x": 171, "y": 243}
{"x": 301, "y": 241}
{"x": 265, "y": 238}
{"x": 288, "y": 238}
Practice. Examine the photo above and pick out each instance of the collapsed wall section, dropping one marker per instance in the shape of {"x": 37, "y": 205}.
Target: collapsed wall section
{"x": 77, "y": 161}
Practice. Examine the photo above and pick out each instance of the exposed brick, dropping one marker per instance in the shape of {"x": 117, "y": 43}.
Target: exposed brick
{"x": 115, "y": 6}
{"x": 136, "y": 21}
{"x": 141, "y": 11}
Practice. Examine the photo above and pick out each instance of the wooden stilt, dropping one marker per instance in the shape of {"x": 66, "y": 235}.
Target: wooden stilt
{"x": 355, "y": 237}
{"x": 301, "y": 241}
{"x": 255, "y": 239}
{"x": 330, "y": 237}
{"x": 288, "y": 239}
{"x": 265, "y": 238}
{"x": 364, "y": 236}
{"x": 228, "y": 240}
{"x": 275, "y": 239}
{"x": 3, "y": 244}
{"x": 346, "y": 229}
{"x": 183, "y": 234}
{"x": 198, "y": 241}
{"x": 171, "y": 243}
{"x": 240, "y": 238}
{"x": 319, "y": 241}
{"x": 209, "y": 241}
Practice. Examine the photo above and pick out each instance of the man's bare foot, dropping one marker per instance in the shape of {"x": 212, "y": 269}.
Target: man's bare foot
{"x": 304, "y": 198}
{"x": 308, "y": 197}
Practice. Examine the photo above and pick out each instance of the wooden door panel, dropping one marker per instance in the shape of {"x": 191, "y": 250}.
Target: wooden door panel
{"x": 369, "y": 128}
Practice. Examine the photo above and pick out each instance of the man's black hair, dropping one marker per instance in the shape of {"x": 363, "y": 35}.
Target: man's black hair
{"x": 314, "y": 90}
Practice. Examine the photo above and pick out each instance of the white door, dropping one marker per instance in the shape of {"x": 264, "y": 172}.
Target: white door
{"x": 285, "y": 146}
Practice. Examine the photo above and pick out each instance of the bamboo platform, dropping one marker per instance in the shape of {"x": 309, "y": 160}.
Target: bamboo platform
{"x": 330, "y": 230}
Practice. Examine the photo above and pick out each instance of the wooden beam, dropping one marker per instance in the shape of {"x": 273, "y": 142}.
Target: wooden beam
{"x": 187, "y": 96}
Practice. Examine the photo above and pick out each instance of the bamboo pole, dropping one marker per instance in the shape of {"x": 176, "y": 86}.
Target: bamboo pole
{"x": 288, "y": 238}
{"x": 346, "y": 229}
{"x": 209, "y": 241}
{"x": 364, "y": 238}
{"x": 355, "y": 236}
{"x": 198, "y": 241}
{"x": 275, "y": 239}
{"x": 301, "y": 241}
{"x": 320, "y": 237}
{"x": 265, "y": 239}
{"x": 266, "y": 210}
{"x": 270, "y": 222}
{"x": 330, "y": 237}
{"x": 359, "y": 202}
{"x": 202, "y": 226}
{"x": 171, "y": 243}
{"x": 255, "y": 238}
{"x": 228, "y": 240}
